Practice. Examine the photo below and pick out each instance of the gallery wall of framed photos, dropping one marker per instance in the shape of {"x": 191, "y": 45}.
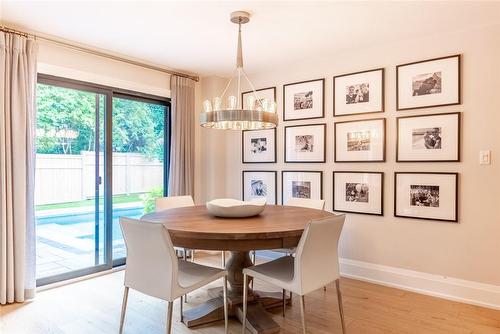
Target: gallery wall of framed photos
{"x": 425, "y": 136}
{"x": 420, "y": 138}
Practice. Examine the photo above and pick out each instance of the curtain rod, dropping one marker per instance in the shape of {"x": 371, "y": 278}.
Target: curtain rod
{"x": 97, "y": 53}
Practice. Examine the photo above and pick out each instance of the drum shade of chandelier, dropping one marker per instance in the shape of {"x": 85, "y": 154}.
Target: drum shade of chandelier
{"x": 255, "y": 114}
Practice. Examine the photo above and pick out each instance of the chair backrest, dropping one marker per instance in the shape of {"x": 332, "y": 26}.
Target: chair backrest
{"x": 152, "y": 265}
{"x": 172, "y": 202}
{"x": 316, "y": 258}
{"x": 318, "y": 204}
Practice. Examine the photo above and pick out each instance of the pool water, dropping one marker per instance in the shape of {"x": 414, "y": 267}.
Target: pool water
{"x": 89, "y": 218}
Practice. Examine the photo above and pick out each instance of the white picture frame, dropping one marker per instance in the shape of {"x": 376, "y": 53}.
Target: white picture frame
{"x": 304, "y": 100}
{"x": 358, "y": 192}
{"x": 429, "y": 83}
{"x": 305, "y": 143}
{"x": 301, "y": 184}
{"x": 257, "y": 184}
{"x": 430, "y": 196}
{"x": 358, "y": 93}
{"x": 258, "y": 146}
{"x": 428, "y": 138}
{"x": 360, "y": 141}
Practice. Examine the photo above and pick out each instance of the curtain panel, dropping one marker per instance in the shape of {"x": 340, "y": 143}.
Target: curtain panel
{"x": 17, "y": 167}
{"x": 181, "y": 169}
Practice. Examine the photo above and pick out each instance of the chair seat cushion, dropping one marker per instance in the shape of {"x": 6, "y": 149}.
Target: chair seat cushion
{"x": 278, "y": 272}
{"x": 193, "y": 276}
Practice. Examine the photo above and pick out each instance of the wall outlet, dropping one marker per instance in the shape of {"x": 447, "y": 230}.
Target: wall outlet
{"x": 485, "y": 157}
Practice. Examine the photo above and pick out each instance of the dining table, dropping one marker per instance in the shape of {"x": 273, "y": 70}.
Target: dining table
{"x": 278, "y": 226}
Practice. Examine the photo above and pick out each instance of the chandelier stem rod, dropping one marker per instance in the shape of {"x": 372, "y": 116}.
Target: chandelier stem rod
{"x": 239, "y": 54}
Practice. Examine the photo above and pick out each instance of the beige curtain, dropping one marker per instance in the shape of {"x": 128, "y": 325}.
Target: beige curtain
{"x": 181, "y": 176}
{"x": 17, "y": 167}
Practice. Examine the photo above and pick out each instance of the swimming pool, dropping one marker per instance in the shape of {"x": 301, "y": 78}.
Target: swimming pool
{"x": 89, "y": 218}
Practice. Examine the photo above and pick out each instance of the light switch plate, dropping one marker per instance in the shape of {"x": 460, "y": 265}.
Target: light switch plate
{"x": 485, "y": 157}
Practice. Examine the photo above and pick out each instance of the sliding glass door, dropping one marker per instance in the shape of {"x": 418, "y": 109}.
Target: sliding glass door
{"x": 68, "y": 193}
{"x": 100, "y": 154}
{"x": 139, "y": 139}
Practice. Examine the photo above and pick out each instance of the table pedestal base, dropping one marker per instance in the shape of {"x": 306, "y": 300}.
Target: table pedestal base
{"x": 259, "y": 321}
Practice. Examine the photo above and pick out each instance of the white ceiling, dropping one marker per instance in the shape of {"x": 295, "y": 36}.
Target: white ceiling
{"x": 198, "y": 37}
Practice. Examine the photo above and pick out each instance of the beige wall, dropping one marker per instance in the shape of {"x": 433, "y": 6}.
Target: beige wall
{"x": 469, "y": 250}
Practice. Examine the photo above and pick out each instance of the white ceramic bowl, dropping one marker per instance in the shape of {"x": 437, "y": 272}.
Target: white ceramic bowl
{"x": 233, "y": 208}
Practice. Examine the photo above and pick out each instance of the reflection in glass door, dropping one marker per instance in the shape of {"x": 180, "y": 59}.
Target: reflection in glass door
{"x": 69, "y": 173}
{"x": 139, "y": 159}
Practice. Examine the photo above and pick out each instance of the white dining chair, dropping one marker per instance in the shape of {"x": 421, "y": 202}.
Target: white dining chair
{"x": 172, "y": 202}
{"x": 152, "y": 268}
{"x": 315, "y": 264}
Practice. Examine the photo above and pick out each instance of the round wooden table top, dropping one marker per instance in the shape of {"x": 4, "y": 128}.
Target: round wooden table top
{"x": 276, "y": 227}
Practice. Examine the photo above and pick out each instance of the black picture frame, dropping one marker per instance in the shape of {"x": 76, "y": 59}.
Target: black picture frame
{"x": 459, "y": 84}
{"x": 304, "y": 126}
{"x": 302, "y": 82}
{"x": 459, "y": 138}
{"x": 260, "y": 171}
{"x": 455, "y": 220}
{"x": 320, "y": 172}
{"x": 381, "y": 192}
{"x": 384, "y": 153}
{"x": 275, "y": 155}
{"x": 257, "y": 90}
{"x": 355, "y": 73}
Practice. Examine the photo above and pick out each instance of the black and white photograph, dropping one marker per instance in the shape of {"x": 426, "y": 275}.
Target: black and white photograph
{"x": 358, "y": 93}
{"x": 305, "y": 143}
{"x": 428, "y": 83}
{"x": 250, "y": 100}
{"x": 425, "y": 84}
{"x": 304, "y": 100}
{"x": 358, "y": 192}
{"x": 258, "y": 185}
{"x": 424, "y": 195}
{"x": 259, "y": 146}
{"x": 301, "y": 184}
{"x": 428, "y": 138}
{"x": 259, "y": 188}
{"x": 301, "y": 189}
{"x": 360, "y": 141}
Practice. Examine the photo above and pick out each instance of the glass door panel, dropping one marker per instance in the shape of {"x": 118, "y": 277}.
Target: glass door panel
{"x": 138, "y": 161}
{"x": 68, "y": 194}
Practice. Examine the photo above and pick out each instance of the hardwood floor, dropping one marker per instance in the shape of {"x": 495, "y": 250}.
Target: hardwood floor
{"x": 93, "y": 307}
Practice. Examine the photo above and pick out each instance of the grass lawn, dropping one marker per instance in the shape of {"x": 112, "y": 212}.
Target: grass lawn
{"x": 118, "y": 199}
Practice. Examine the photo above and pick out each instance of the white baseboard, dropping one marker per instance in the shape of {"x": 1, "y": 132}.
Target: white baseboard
{"x": 481, "y": 294}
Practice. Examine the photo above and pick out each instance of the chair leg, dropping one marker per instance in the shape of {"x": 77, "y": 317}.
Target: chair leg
{"x": 254, "y": 257}
{"x": 169, "y": 317}
{"x": 124, "y": 308}
{"x": 223, "y": 259}
{"x": 245, "y": 293}
{"x": 184, "y": 257}
{"x": 224, "y": 292}
{"x": 302, "y": 314}
{"x": 182, "y": 308}
{"x": 324, "y": 288}
{"x": 341, "y": 307}
{"x": 284, "y": 302}
{"x": 192, "y": 255}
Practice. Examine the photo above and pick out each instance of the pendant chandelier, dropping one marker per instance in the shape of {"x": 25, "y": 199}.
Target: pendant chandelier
{"x": 255, "y": 114}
